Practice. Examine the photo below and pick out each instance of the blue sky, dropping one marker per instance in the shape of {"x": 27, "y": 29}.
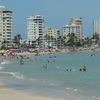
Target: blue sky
{"x": 56, "y": 12}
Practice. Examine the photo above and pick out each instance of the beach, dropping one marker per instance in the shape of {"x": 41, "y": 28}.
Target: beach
{"x": 10, "y": 94}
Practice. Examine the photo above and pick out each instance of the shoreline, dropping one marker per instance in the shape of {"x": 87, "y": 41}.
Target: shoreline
{"x": 51, "y": 51}
{"x": 11, "y": 94}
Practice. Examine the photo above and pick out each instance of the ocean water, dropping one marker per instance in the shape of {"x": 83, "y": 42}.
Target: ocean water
{"x": 56, "y": 75}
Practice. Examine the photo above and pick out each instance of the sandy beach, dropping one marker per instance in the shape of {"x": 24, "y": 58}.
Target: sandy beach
{"x": 25, "y": 53}
{"x": 10, "y": 94}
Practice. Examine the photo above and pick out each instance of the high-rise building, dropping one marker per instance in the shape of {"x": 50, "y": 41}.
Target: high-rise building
{"x": 35, "y": 25}
{"x": 2, "y": 8}
{"x": 51, "y": 37}
{"x": 97, "y": 26}
{"x": 75, "y": 26}
{"x": 5, "y": 25}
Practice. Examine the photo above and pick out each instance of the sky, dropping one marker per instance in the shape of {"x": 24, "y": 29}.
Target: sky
{"x": 55, "y": 12}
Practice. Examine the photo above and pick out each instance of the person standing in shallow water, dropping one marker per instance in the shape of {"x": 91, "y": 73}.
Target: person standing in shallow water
{"x": 21, "y": 60}
{"x": 84, "y": 69}
{"x": 80, "y": 69}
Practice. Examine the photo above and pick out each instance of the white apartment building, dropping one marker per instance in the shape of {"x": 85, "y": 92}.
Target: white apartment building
{"x": 52, "y": 32}
{"x": 5, "y": 25}
{"x": 74, "y": 26}
{"x": 2, "y": 8}
{"x": 97, "y": 26}
{"x": 35, "y": 25}
{"x": 50, "y": 37}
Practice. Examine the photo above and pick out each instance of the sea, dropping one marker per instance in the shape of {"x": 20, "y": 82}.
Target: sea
{"x": 58, "y": 75}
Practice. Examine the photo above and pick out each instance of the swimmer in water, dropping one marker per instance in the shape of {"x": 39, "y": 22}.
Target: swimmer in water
{"x": 84, "y": 69}
{"x": 21, "y": 60}
{"x": 80, "y": 69}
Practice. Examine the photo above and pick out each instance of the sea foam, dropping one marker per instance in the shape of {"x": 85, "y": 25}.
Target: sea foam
{"x": 14, "y": 74}
{"x": 53, "y": 84}
{"x": 18, "y": 75}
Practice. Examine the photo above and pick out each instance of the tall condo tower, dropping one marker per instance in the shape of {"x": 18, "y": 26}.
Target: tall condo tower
{"x": 75, "y": 26}
{"x": 97, "y": 26}
{"x": 35, "y": 26}
{"x": 5, "y": 25}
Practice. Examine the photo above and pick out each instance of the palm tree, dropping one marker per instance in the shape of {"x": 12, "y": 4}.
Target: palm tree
{"x": 24, "y": 44}
{"x": 87, "y": 41}
{"x": 96, "y": 38}
{"x": 4, "y": 44}
{"x": 72, "y": 40}
{"x": 17, "y": 39}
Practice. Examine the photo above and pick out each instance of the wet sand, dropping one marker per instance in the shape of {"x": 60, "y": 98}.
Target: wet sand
{"x": 10, "y": 94}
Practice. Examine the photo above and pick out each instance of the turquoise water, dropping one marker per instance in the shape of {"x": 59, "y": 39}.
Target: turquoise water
{"x": 56, "y": 75}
